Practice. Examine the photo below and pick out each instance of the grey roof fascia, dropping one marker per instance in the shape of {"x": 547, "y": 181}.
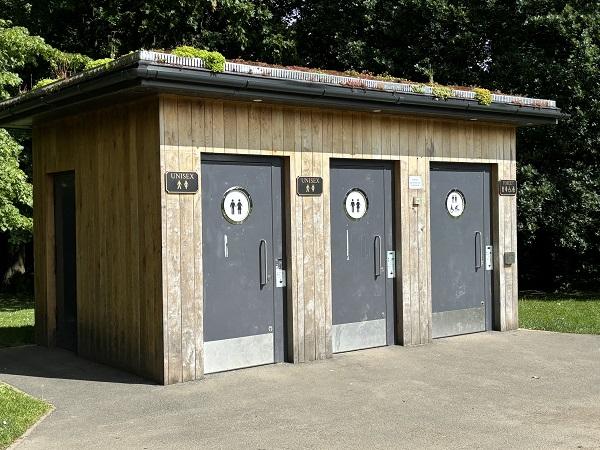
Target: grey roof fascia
{"x": 143, "y": 75}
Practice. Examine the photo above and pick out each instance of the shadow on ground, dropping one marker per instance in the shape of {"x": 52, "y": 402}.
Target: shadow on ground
{"x": 12, "y": 336}
{"x": 41, "y": 362}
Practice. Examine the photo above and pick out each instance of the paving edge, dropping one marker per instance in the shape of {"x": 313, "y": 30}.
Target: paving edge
{"x": 29, "y": 430}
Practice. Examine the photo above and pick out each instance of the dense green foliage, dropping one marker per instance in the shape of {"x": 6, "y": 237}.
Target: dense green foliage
{"x": 483, "y": 96}
{"x": 538, "y": 48}
{"x": 212, "y": 60}
{"x": 23, "y": 59}
{"x": 15, "y": 192}
{"x": 18, "y": 412}
{"x": 98, "y": 63}
{"x": 565, "y": 314}
{"x": 44, "y": 82}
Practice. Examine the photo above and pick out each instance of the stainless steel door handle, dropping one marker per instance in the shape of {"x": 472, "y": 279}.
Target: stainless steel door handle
{"x": 478, "y": 251}
{"x": 263, "y": 256}
{"x": 377, "y": 255}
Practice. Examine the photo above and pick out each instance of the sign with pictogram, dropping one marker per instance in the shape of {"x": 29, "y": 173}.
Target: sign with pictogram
{"x": 309, "y": 186}
{"x": 236, "y": 205}
{"x": 356, "y": 204}
{"x": 455, "y": 203}
{"x": 181, "y": 182}
{"x": 507, "y": 187}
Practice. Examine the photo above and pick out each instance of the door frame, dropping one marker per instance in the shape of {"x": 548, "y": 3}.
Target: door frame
{"x": 281, "y": 324}
{"x": 490, "y": 208}
{"x": 391, "y": 288}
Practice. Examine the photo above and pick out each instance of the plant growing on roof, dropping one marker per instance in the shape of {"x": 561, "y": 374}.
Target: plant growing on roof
{"x": 44, "y": 82}
{"x": 483, "y": 96}
{"x": 98, "y": 63}
{"x": 65, "y": 64}
{"x": 418, "y": 88}
{"x": 213, "y": 61}
{"x": 441, "y": 92}
{"x": 425, "y": 68}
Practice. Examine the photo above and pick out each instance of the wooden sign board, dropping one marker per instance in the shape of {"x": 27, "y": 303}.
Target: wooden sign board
{"x": 309, "y": 186}
{"x": 181, "y": 182}
{"x": 507, "y": 187}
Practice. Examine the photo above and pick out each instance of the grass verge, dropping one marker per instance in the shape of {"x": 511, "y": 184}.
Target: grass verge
{"x": 562, "y": 313}
{"x": 18, "y": 412}
{"x": 16, "y": 320}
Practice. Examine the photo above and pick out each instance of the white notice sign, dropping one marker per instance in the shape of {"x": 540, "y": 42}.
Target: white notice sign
{"x": 415, "y": 182}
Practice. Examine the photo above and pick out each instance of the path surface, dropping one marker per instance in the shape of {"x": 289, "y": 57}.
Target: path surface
{"x": 522, "y": 389}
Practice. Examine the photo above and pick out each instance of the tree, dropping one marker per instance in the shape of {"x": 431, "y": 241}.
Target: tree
{"x": 21, "y": 53}
{"x": 544, "y": 49}
{"x": 538, "y": 48}
{"x": 236, "y": 28}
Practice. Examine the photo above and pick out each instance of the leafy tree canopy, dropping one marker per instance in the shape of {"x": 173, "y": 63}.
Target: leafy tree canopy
{"x": 538, "y": 48}
{"x": 20, "y": 53}
{"x": 15, "y": 192}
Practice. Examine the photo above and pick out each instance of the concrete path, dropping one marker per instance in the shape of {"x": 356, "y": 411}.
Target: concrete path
{"x": 521, "y": 389}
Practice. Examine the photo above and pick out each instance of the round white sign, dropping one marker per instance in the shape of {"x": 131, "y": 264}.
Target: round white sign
{"x": 356, "y": 204}
{"x": 455, "y": 203}
{"x": 237, "y": 205}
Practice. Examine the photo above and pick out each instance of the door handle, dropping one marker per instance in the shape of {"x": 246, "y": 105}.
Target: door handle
{"x": 263, "y": 256}
{"x": 478, "y": 249}
{"x": 377, "y": 255}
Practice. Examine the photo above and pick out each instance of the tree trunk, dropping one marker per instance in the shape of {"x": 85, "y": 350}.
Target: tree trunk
{"x": 12, "y": 263}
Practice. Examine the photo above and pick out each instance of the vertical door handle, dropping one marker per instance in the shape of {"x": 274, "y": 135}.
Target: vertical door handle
{"x": 478, "y": 250}
{"x": 264, "y": 269}
{"x": 377, "y": 255}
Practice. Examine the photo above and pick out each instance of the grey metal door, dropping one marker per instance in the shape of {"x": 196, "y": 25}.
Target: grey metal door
{"x": 242, "y": 251}
{"x": 65, "y": 255}
{"x": 460, "y": 240}
{"x": 361, "y": 237}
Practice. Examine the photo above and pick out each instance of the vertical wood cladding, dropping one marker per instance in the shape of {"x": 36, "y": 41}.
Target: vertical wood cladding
{"x": 115, "y": 155}
{"x": 306, "y": 139}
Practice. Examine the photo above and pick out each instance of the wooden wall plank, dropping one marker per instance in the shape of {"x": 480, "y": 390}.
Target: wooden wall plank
{"x": 308, "y": 238}
{"x": 254, "y": 130}
{"x": 331, "y": 132}
{"x": 266, "y": 130}
{"x": 319, "y": 133}
{"x": 230, "y": 124}
{"x": 172, "y": 260}
{"x": 512, "y": 136}
{"x": 218, "y": 128}
{"x": 187, "y": 239}
{"x": 347, "y": 136}
{"x": 357, "y": 136}
{"x": 299, "y": 296}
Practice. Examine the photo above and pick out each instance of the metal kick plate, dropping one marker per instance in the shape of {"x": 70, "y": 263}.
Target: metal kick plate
{"x": 391, "y": 264}
{"x": 489, "y": 261}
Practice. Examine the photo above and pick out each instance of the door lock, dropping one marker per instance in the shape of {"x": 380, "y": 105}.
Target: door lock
{"x": 391, "y": 263}
{"x": 280, "y": 274}
{"x": 489, "y": 261}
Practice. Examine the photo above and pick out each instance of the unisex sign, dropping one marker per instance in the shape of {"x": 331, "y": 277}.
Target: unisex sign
{"x": 181, "y": 182}
{"x": 507, "y": 187}
{"x": 309, "y": 186}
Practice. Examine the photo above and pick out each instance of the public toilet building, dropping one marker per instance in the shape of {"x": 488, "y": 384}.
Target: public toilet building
{"x": 189, "y": 222}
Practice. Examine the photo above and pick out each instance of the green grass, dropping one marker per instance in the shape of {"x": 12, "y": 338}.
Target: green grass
{"x": 18, "y": 412}
{"x": 563, "y": 313}
{"x": 16, "y": 320}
